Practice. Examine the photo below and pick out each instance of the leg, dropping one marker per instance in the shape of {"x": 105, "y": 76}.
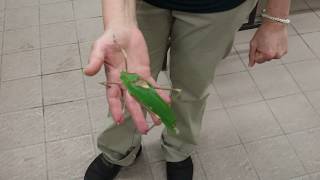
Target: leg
{"x": 199, "y": 42}
{"x": 120, "y": 144}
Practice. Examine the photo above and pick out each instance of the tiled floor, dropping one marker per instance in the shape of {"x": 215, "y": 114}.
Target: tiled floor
{"x": 260, "y": 124}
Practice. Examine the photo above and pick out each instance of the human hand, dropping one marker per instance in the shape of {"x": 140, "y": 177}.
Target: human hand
{"x": 269, "y": 42}
{"x": 107, "y": 52}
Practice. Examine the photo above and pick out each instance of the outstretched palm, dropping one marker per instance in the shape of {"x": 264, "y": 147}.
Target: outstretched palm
{"x": 107, "y": 52}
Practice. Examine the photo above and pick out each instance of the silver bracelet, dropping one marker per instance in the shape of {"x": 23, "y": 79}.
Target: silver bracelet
{"x": 280, "y": 20}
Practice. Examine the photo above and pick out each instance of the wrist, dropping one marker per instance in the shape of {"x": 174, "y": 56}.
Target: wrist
{"x": 274, "y": 24}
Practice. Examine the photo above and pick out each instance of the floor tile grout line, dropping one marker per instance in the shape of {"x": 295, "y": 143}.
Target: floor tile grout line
{"x": 42, "y": 74}
{"x": 313, "y": 108}
{"x": 305, "y": 42}
{"x": 49, "y": 141}
{"x": 3, "y": 40}
{"x": 201, "y": 166}
{"x": 45, "y": 47}
{"x": 84, "y": 83}
{"x": 237, "y": 132}
{"x": 48, "y": 24}
{"x": 52, "y": 104}
{"x": 277, "y": 120}
{"x": 313, "y": 9}
{"x": 42, "y": 98}
{"x": 217, "y": 75}
{"x": 304, "y": 93}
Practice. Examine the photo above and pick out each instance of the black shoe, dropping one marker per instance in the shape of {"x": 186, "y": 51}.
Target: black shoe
{"x": 101, "y": 169}
{"x": 182, "y": 170}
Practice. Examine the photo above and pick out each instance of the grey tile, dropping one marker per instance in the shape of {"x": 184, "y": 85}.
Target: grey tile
{"x": 89, "y": 29}
{"x": 1, "y": 41}
{"x": 229, "y": 163}
{"x": 21, "y": 65}
{"x": 243, "y": 50}
{"x": 87, "y": 9}
{"x": 58, "y": 34}
{"x": 315, "y": 4}
{"x": 274, "y": 81}
{"x": 92, "y": 84}
{"x": 313, "y": 40}
{"x": 244, "y": 36}
{"x": 298, "y": 5}
{"x": 2, "y": 16}
{"x": 98, "y": 109}
{"x": 2, "y": 4}
{"x": 306, "y": 73}
{"x": 291, "y": 30}
{"x": 254, "y": 121}
{"x": 236, "y": 89}
{"x": 60, "y": 58}
{"x": 314, "y": 98}
{"x": 217, "y": 131}
{"x": 67, "y": 120}
{"x": 95, "y": 143}
{"x": 294, "y": 113}
{"x": 159, "y": 169}
{"x": 20, "y": 3}
{"x": 297, "y": 50}
{"x": 21, "y": 129}
{"x": 314, "y": 176}
{"x": 68, "y": 159}
{"x": 305, "y": 177}
{"x": 22, "y": 17}
{"x": 307, "y": 146}
{"x": 63, "y": 87}
{"x": 274, "y": 159}
{"x": 231, "y": 64}
{"x": 85, "y": 49}
{"x": 21, "y": 40}
{"x": 163, "y": 79}
{"x": 213, "y": 101}
{"x": 51, "y": 1}
{"x": 26, "y": 163}
{"x": 57, "y": 12}
{"x": 20, "y": 94}
{"x": 302, "y": 26}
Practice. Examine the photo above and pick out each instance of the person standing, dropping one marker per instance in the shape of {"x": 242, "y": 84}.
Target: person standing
{"x": 199, "y": 34}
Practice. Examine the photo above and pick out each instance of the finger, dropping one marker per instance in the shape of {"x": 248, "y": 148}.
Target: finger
{"x": 137, "y": 115}
{"x": 155, "y": 119}
{"x": 259, "y": 57}
{"x": 252, "y": 53}
{"x": 115, "y": 105}
{"x": 96, "y": 60}
{"x": 165, "y": 96}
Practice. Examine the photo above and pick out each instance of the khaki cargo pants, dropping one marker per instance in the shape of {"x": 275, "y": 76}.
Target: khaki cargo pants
{"x": 197, "y": 42}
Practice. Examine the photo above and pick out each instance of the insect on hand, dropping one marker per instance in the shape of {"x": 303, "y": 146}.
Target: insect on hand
{"x": 146, "y": 95}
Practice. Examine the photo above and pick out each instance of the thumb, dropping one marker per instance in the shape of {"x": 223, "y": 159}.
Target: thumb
{"x": 259, "y": 57}
{"x": 96, "y": 60}
{"x": 252, "y": 54}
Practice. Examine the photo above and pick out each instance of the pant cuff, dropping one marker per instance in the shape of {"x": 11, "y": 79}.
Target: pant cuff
{"x": 126, "y": 160}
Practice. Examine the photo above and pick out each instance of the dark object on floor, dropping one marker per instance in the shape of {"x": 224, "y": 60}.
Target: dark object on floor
{"x": 101, "y": 169}
{"x": 182, "y": 170}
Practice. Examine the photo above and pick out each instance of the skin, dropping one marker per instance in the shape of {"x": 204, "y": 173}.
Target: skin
{"x": 269, "y": 42}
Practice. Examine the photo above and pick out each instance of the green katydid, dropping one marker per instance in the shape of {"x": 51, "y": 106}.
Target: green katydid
{"x": 146, "y": 95}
